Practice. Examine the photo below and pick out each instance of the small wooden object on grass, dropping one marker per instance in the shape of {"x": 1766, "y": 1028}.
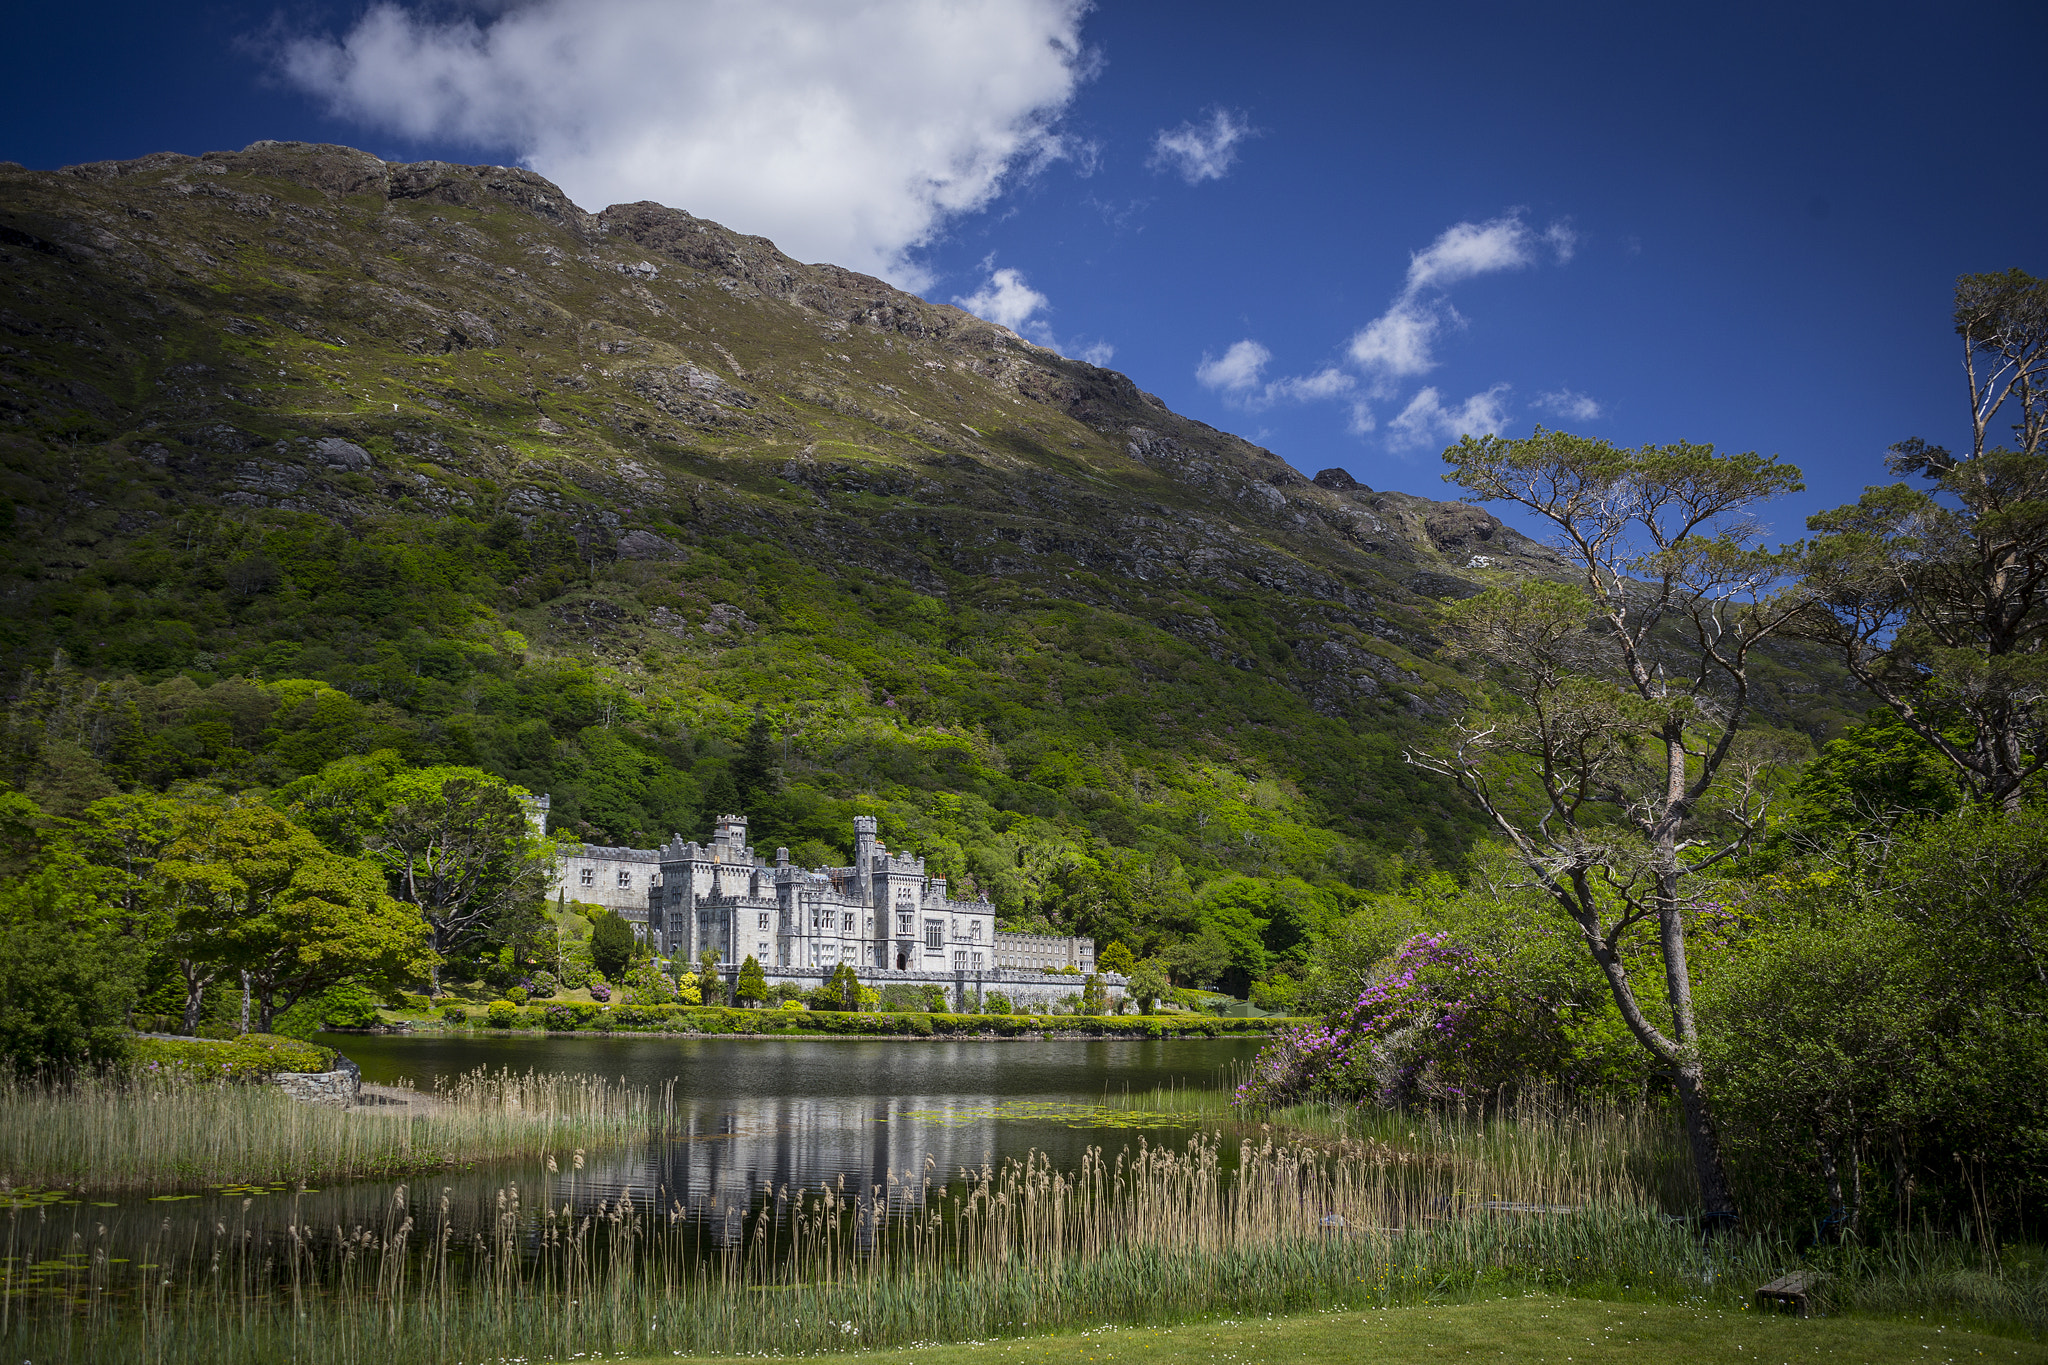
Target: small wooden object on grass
{"x": 1797, "y": 1294}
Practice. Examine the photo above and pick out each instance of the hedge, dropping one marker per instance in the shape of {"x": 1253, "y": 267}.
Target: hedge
{"x": 250, "y": 1057}
{"x": 585, "y": 1017}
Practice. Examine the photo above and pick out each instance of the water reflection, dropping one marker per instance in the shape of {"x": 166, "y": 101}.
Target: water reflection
{"x": 754, "y": 1122}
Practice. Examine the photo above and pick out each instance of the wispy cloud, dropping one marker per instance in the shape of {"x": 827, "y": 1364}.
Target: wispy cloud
{"x": 1573, "y": 407}
{"x": 1427, "y": 421}
{"x": 1329, "y": 382}
{"x": 1200, "y": 151}
{"x": 848, "y": 133}
{"x": 1239, "y": 374}
{"x": 1399, "y": 343}
{"x": 1007, "y": 299}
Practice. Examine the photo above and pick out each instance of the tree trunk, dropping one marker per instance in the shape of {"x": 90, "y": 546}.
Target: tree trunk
{"x": 196, "y": 982}
{"x": 1717, "y": 1200}
{"x": 1831, "y": 1175}
{"x": 245, "y": 1006}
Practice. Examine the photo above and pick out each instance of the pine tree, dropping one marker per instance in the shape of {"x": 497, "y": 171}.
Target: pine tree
{"x": 845, "y": 987}
{"x": 723, "y": 797}
{"x": 611, "y": 944}
{"x": 1094, "y": 995}
{"x": 754, "y": 772}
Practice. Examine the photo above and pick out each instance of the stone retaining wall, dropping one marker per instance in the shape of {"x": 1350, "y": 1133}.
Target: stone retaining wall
{"x": 342, "y": 1086}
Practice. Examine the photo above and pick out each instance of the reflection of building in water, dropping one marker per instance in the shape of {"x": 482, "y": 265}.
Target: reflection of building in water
{"x": 883, "y": 916}
{"x": 732, "y": 1161}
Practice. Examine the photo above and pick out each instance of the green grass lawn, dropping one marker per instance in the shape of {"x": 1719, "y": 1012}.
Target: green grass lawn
{"x": 1578, "y": 1331}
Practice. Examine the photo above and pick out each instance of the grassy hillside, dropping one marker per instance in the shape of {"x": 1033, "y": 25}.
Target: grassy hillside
{"x": 308, "y": 454}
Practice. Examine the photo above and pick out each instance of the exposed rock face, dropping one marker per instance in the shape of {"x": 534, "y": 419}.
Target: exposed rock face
{"x": 1454, "y": 526}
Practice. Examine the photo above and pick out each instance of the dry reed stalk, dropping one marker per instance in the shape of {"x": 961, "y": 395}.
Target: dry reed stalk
{"x": 168, "y": 1132}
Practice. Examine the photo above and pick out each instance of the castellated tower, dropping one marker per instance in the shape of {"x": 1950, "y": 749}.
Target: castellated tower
{"x": 864, "y": 848}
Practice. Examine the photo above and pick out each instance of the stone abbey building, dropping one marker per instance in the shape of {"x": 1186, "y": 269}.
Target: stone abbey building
{"x": 883, "y": 915}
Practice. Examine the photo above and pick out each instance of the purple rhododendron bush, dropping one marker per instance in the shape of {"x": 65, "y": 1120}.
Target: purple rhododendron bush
{"x": 1441, "y": 1021}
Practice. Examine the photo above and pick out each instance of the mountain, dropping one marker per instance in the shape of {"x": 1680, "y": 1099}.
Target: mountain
{"x": 308, "y": 453}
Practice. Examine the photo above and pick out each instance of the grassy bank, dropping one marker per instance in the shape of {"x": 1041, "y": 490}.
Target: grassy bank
{"x": 1153, "y": 1237}
{"x": 1529, "y": 1327}
{"x": 169, "y": 1131}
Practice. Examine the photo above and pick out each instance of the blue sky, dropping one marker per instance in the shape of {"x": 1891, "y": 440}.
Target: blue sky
{"x": 1733, "y": 223}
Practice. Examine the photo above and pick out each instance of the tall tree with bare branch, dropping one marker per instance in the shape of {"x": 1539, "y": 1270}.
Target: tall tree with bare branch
{"x": 1609, "y": 738}
{"x": 1936, "y": 596}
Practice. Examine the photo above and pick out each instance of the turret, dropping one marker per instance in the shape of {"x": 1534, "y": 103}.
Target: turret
{"x": 864, "y": 850}
{"x": 729, "y": 836}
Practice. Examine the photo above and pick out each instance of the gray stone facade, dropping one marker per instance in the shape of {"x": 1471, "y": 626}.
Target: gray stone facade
{"x": 882, "y": 915}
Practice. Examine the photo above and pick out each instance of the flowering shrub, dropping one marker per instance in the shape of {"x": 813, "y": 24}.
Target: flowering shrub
{"x": 599, "y": 991}
{"x": 1437, "y": 1022}
{"x": 650, "y": 985}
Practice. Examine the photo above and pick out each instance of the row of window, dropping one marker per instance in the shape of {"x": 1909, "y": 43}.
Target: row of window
{"x": 588, "y": 877}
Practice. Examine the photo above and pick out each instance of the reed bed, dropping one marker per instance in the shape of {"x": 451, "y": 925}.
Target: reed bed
{"x": 149, "y": 1132}
{"x": 1539, "y": 1147}
{"x": 1153, "y": 1235}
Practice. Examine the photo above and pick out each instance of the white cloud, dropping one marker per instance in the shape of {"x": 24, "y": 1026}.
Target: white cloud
{"x": 1200, "y": 151}
{"x": 1329, "y": 382}
{"x": 1006, "y": 300}
{"x": 1426, "y": 421}
{"x": 1240, "y": 374}
{"x": 1398, "y": 343}
{"x": 1237, "y": 370}
{"x": 1467, "y": 249}
{"x": 1573, "y": 407}
{"x": 849, "y": 133}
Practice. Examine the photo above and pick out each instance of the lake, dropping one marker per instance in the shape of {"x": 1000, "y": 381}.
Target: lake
{"x": 759, "y": 1114}
{"x": 753, "y": 1119}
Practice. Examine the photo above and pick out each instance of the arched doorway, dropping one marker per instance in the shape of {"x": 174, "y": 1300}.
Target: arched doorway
{"x": 902, "y": 961}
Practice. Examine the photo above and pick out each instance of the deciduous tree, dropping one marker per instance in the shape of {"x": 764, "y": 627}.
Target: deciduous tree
{"x": 1607, "y": 737}
{"x": 253, "y": 892}
{"x": 455, "y": 843}
{"x": 751, "y": 989}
